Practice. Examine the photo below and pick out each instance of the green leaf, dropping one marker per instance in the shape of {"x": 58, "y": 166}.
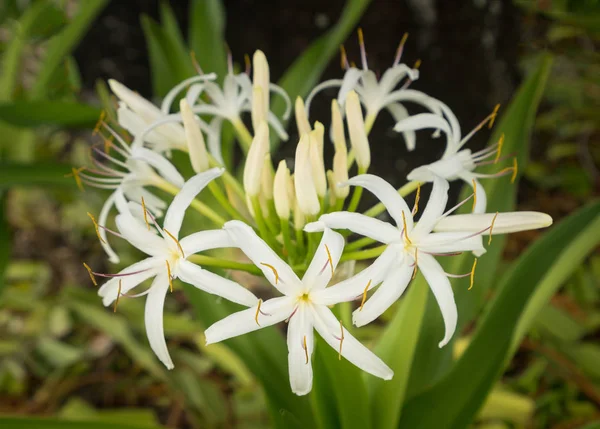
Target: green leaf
{"x": 163, "y": 78}
{"x": 516, "y": 124}
{"x": 174, "y": 44}
{"x": 305, "y": 72}
{"x": 78, "y": 410}
{"x": 461, "y": 392}
{"x": 207, "y": 35}
{"x": 39, "y": 423}
{"x": 62, "y": 45}
{"x": 37, "y": 174}
{"x": 61, "y": 113}
{"x": 5, "y": 240}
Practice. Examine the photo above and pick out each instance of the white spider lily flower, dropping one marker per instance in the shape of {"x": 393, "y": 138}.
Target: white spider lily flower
{"x": 456, "y": 162}
{"x": 306, "y": 192}
{"x": 130, "y": 170}
{"x": 255, "y": 160}
{"x": 301, "y": 306}
{"x": 194, "y": 138}
{"x": 167, "y": 260}
{"x": 281, "y": 191}
{"x": 357, "y": 131}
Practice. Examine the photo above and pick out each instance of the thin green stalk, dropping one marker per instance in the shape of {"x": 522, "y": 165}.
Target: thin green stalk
{"x": 211, "y": 261}
{"x": 287, "y": 240}
{"x": 300, "y": 241}
{"x": 243, "y": 134}
{"x": 405, "y": 190}
{"x": 222, "y": 199}
{"x": 358, "y": 244}
{"x": 228, "y": 178}
{"x": 200, "y": 207}
{"x": 272, "y": 219}
{"x": 363, "y": 254}
{"x": 262, "y": 226}
{"x": 356, "y": 194}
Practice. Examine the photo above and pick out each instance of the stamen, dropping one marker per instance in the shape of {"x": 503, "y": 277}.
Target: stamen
{"x": 417, "y": 64}
{"x": 248, "y": 63}
{"x": 195, "y": 62}
{"x": 341, "y": 340}
{"x": 305, "y": 347}
{"x": 492, "y": 228}
{"x": 416, "y": 268}
{"x": 96, "y": 227}
{"x": 474, "y": 194}
{"x": 99, "y": 123}
{"x": 91, "y": 273}
{"x": 169, "y": 274}
{"x": 145, "y": 214}
{"x": 176, "y": 241}
{"x": 363, "y": 51}
{"x": 448, "y": 212}
{"x": 291, "y": 315}
{"x": 364, "y": 295}
{"x": 499, "y": 151}
{"x": 258, "y": 311}
{"x": 487, "y": 120}
{"x": 515, "y": 169}
{"x": 75, "y": 173}
{"x": 107, "y": 144}
{"x": 329, "y": 259}
{"x": 417, "y": 197}
{"x": 493, "y": 116}
{"x": 344, "y": 58}
{"x": 400, "y": 49}
{"x": 118, "y": 296}
{"x": 405, "y": 230}
{"x": 272, "y": 269}
{"x": 473, "y": 273}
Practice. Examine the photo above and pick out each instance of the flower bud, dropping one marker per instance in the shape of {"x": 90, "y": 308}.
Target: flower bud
{"x": 340, "y": 172}
{"x": 337, "y": 126}
{"x": 281, "y": 191}
{"x": 260, "y": 79}
{"x": 258, "y": 114}
{"x": 194, "y": 138}
{"x": 306, "y": 193}
{"x": 332, "y": 186}
{"x": 316, "y": 160}
{"x": 301, "y": 118}
{"x": 356, "y": 129}
{"x": 267, "y": 178}
{"x": 255, "y": 160}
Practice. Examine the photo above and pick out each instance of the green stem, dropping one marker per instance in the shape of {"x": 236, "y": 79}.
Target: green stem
{"x": 356, "y": 194}
{"x": 300, "y": 242}
{"x": 358, "y": 244}
{"x": 405, "y": 190}
{"x": 228, "y": 178}
{"x": 243, "y": 134}
{"x": 200, "y": 207}
{"x": 287, "y": 240}
{"x": 222, "y": 199}
{"x": 262, "y": 226}
{"x": 363, "y": 254}
{"x": 211, "y": 261}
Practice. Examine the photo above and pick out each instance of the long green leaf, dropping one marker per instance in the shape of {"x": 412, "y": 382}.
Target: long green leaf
{"x": 4, "y": 241}
{"x": 174, "y": 44}
{"x": 460, "y": 393}
{"x": 207, "y": 35}
{"x": 38, "y": 174}
{"x": 163, "y": 78}
{"x": 516, "y": 124}
{"x": 62, "y": 113}
{"x": 39, "y": 423}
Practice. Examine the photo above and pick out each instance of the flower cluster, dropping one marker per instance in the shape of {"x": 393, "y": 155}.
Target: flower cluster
{"x": 285, "y": 220}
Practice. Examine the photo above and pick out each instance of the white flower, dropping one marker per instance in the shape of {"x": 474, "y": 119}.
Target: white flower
{"x": 301, "y": 305}
{"x": 130, "y": 170}
{"x": 167, "y": 260}
{"x": 456, "y": 163}
{"x": 410, "y": 246}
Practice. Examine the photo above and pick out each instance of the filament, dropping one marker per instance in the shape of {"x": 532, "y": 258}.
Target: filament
{"x": 341, "y": 340}
{"x": 91, "y": 273}
{"x": 118, "y": 296}
{"x": 96, "y": 227}
{"x": 416, "y": 268}
{"x": 330, "y": 261}
{"x": 400, "y": 49}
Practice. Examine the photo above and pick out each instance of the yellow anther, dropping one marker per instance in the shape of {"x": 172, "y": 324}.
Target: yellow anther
{"x": 272, "y": 269}
{"x": 474, "y": 194}
{"x": 493, "y": 116}
{"x": 343, "y": 57}
{"x": 96, "y": 227}
{"x": 107, "y": 144}
{"x": 247, "y": 62}
{"x": 361, "y": 37}
{"x": 169, "y": 275}
{"x": 405, "y": 229}
{"x": 341, "y": 340}
{"x": 75, "y": 173}
{"x": 305, "y": 347}
{"x": 91, "y": 273}
{"x": 401, "y": 45}
{"x": 99, "y": 123}
{"x": 146, "y": 214}
{"x": 416, "y": 268}
{"x": 352, "y": 64}
{"x": 364, "y": 296}
{"x": 473, "y": 273}
{"x": 499, "y": 150}
{"x": 515, "y": 169}
{"x": 417, "y": 64}
{"x": 118, "y": 296}
{"x": 258, "y": 311}
{"x": 176, "y": 241}
{"x": 417, "y": 197}
{"x": 492, "y": 228}
{"x": 329, "y": 260}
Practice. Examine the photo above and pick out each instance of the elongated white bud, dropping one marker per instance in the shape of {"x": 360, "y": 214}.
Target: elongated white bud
{"x": 258, "y": 111}
{"x": 255, "y": 160}
{"x": 340, "y": 171}
{"x": 281, "y": 191}
{"x": 194, "y": 138}
{"x": 356, "y": 129}
{"x": 261, "y": 77}
{"x": 267, "y": 177}
{"x": 337, "y": 126}
{"x": 501, "y": 223}
{"x": 299, "y": 218}
{"x": 316, "y": 160}
{"x": 301, "y": 118}
{"x": 332, "y": 185}
{"x": 306, "y": 193}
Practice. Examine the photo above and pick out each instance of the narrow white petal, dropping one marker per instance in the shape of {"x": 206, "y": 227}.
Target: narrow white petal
{"x": 436, "y": 205}
{"x": 349, "y": 83}
{"x": 504, "y": 223}
{"x": 144, "y": 270}
{"x": 205, "y": 240}
{"x": 424, "y": 121}
{"x": 442, "y": 291}
{"x": 330, "y": 330}
{"x": 195, "y": 90}
{"x": 394, "y": 75}
{"x": 212, "y": 283}
{"x": 135, "y": 124}
{"x": 388, "y": 293}
{"x": 155, "y": 303}
{"x": 357, "y": 223}
{"x": 276, "y": 271}
{"x": 286, "y": 99}
{"x": 139, "y": 236}
{"x": 450, "y": 242}
{"x": 162, "y": 165}
{"x": 277, "y": 126}
{"x": 300, "y": 341}
{"x": 389, "y": 196}
{"x": 148, "y": 111}
{"x": 102, "y": 219}
{"x": 321, "y": 269}
{"x": 214, "y": 139}
{"x": 399, "y": 113}
{"x": 272, "y": 311}
{"x": 189, "y": 191}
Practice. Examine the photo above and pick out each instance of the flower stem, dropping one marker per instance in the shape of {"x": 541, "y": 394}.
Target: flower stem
{"x": 222, "y": 199}
{"x": 363, "y": 254}
{"x": 356, "y": 194}
{"x": 243, "y": 134}
{"x": 211, "y": 261}
{"x": 200, "y": 207}
{"x": 287, "y": 240}
{"x": 262, "y": 226}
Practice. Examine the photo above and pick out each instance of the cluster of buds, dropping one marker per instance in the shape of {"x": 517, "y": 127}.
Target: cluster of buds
{"x": 284, "y": 217}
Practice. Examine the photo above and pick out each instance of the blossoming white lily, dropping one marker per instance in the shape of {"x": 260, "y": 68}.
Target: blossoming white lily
{"x": 457, "y": 163}
{"x": 167, "y": 260}
{"x": 410, "y": 246}
{"x": 301, "y": 305}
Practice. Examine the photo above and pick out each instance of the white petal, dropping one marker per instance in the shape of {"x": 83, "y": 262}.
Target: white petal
{"x": 272, "y": 311}
{"x": 481, "y": 203}
{"x": 332, "y": 83}
{"x": 442, "y": 291}
{"x": 162, "y": 165}
{"x": 205, "y": 240}
{"x": 195, "y": 89}
{"x": 286, "y": 99}
{"x": 354, "y": 287}
{"x": 142, "y": 107}
{"x": 394, "y": 75}
{"x": 277, "y": 126}
{"x": 153, "y": 316}
{"x": 389, "y": 196}
{"x": 214, "y": 139}
{"x": 436, "y": 205}
{"x": 399, "y": 112}
{"x": 212, "y": 283}
{"x": 300, "y": 334}
{"x": 450, "y": 242}
{"x": 184, "y": 198}
{"x": 145, "y": 269}
{"x": 349, "y": 83}
{"x": 321, "y": 269}
{"x": 357, "y": 223}
{"x": 504, "y": 223}
{"x": 139, "y": 236}
{"x": 280, "y": 275}
{"x": 102, "y": 218}
{"x": 388, "y": 293}
{"x": 330, "y": 330}
{"x": 135, "y": 124}
{"x": 424, "y": 121}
